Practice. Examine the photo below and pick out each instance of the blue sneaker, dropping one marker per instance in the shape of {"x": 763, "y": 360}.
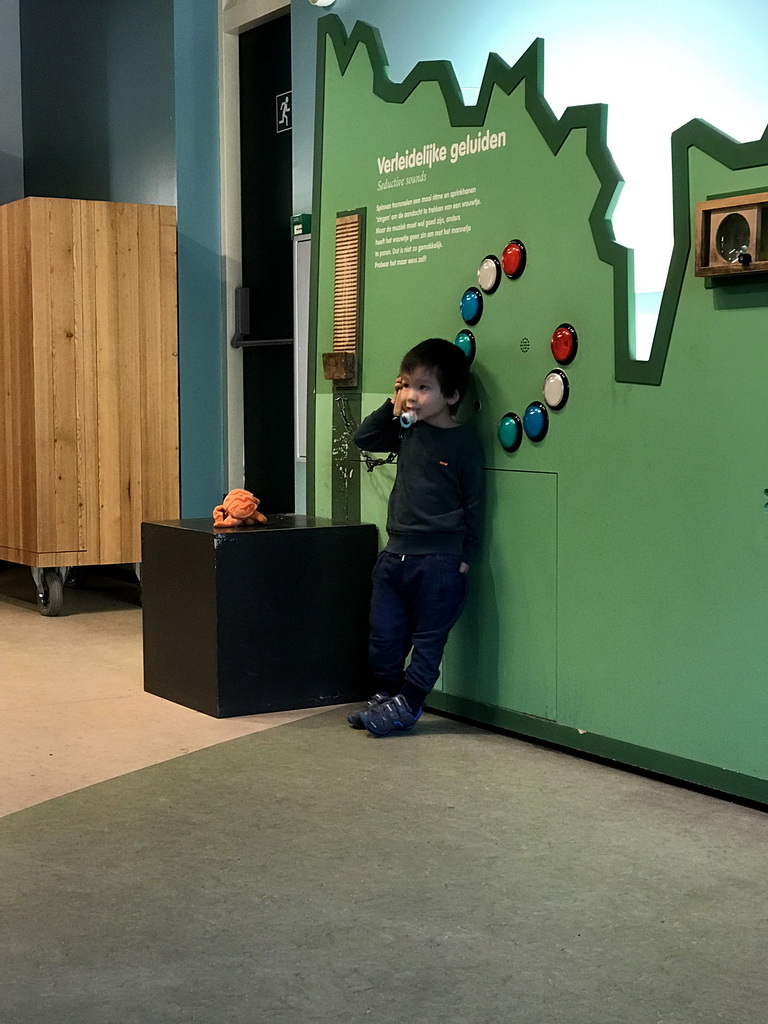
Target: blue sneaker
{"x": 355, "y": 718}
{"x": 392, "y": 715}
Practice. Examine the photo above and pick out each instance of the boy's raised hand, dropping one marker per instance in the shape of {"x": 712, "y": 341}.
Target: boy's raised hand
{"x": 397, "y": 397}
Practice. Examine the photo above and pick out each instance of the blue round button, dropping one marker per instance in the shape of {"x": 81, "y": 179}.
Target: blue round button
{"x": 536, "y": 421}
{"x": 510, "y": 432}
{"x": 466, "y": 342}
{"x": 471, "y": 306}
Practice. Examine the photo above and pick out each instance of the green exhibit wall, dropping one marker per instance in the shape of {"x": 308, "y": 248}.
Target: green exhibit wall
{"x": 619, "y": 604}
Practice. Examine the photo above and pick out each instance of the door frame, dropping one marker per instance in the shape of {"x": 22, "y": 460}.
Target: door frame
{"x": 235, "y": 17}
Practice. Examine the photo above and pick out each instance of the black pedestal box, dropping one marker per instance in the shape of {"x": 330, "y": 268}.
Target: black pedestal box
{"x": 252, "y": 619}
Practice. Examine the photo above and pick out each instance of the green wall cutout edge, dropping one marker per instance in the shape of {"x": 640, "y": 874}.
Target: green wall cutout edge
{"x": 736, "y": 156}
{"x": 529, "y": 70}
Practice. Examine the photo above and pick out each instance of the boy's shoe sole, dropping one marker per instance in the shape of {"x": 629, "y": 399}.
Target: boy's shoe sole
{"x": 355, "y": 718}
{"x": 390, "y": 716}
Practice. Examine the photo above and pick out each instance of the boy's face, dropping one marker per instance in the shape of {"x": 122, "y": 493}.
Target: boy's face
{"x": 421, "y": 394}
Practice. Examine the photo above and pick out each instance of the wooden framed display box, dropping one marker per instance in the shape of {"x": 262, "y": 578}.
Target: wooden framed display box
{"x": 88, "y": 361}
{"x": 732, "y": 236}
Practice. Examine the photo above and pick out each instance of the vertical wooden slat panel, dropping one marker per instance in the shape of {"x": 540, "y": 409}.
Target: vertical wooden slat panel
{"x": 55, "y": 374}
{"x": 7, "y": 462}
{"x": 7, "y": 361}
{"x": 129, "y": 360}
{"x": 168, "y": 411}
{"x": 56, "y": 370}
{"x": 346, "y": 285}
{"x": 42, "y": 348}
{"x": 18, "y": 471}
{"x": 107, "y": 362}
{"x": 150, "y": 347}
{"x": 87, "y": 382}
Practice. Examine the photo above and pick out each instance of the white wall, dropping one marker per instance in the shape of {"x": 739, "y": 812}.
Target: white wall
{"x": 235, "y": 17}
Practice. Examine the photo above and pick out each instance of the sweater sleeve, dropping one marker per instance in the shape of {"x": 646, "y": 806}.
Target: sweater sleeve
{"x": 473, "y": 495}
{"x": 379, "y": 432}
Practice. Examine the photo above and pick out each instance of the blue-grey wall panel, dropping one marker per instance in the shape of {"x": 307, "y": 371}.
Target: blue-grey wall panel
{"x": 201, "y": 305}
{"x": 98, "y": 99}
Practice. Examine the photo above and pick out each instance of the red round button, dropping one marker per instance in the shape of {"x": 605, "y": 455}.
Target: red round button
{"x": 564, "y": 344}
{"x": 513, "y": 259}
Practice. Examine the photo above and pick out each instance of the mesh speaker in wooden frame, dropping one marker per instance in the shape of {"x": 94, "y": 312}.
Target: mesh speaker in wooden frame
{"x": 341, "y": 364}
{"x": 732, "y": 235}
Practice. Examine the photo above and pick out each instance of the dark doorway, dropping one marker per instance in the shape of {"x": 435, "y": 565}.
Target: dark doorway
{"x": 267, "y": 253}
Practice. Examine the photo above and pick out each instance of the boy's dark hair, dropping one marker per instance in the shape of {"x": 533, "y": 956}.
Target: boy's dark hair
{"x": 446, "y": 360}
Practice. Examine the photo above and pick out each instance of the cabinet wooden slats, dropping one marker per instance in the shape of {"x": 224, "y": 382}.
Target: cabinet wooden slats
{"x": 88, "y": 355}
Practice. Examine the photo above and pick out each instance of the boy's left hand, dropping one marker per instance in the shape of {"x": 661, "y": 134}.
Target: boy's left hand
{"x": 463, "y": 567}
{"x": 397, "y": 397}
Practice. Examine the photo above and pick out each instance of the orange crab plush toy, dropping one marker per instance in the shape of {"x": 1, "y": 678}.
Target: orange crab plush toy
{"x": 239, "y": 508}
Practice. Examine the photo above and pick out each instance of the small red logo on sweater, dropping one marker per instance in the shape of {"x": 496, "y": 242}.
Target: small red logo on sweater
{"x": 443, "y": 463}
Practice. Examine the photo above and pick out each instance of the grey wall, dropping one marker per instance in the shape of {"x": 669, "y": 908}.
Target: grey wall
{"x": 11, "y": 149}
{"x": 98, "y": 99}
{"x": 202, "y": 346}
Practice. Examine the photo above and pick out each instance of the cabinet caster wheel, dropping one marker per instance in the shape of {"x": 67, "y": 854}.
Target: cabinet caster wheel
{"x": 50, "y": 595}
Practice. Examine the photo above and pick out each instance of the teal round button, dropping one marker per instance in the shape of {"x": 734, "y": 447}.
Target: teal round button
{"x": 510, "y": 432}
{"x": 465, "y": 340}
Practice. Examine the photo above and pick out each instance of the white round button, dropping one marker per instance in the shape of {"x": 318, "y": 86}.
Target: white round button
{"x": 489, "y": 274}
{"x": 556, "y": 389}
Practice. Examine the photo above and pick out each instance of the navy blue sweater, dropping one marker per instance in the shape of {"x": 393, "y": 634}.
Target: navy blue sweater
{"x": 435, "y": 506}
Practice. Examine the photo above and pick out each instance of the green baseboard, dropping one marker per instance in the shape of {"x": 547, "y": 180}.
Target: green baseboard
{"x": 669, "y": 766}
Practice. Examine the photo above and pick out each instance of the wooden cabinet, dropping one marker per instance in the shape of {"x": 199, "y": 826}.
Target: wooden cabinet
{"x": 89, "y": 376}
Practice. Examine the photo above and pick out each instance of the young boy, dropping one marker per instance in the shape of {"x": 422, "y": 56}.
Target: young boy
{"x": 433, "y": 524}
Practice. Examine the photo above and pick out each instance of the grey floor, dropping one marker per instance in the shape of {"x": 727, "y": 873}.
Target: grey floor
{"x": 311, "y": 873}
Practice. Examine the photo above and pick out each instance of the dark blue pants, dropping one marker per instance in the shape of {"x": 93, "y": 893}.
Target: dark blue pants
{"x": 416, "y": 600}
